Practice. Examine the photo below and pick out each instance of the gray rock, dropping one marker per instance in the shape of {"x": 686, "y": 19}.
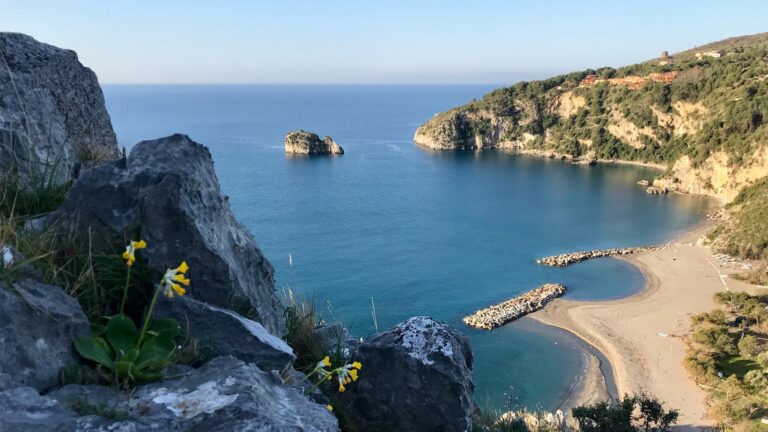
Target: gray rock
{"x": 222, "y": 332}
{"x": 224, "y": 395}
{"x": 38, "y": 326}
{"x": 23, "y": 409}
{"x": 333, "y": 336}
{"x": 52, "y": 114}
{"x": 303, "y": 142}
{"x": 167, "y": 193}
{"x": 415, "y": 377}
{"x": 7, "y": 382}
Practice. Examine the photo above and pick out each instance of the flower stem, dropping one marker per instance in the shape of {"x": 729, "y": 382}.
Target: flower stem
{"x": 148, "y": 315}
{"x": 125, "y": 289}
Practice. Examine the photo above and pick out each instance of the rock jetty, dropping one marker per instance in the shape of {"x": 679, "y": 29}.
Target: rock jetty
{"x": 574, "y": 257}
{"x": 303, "y": 142}
{"x": 497, "y": 315}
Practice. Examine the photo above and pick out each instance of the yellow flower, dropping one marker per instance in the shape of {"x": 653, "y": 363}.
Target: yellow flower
{"x": 353, "y": 374}
{"x": 130, "y": 251}
{"x": 171, "y": 277}
{"x": 327, "y": 361}
{"x": 341, "y": 388}
{"x": 357, "y": 365}
{"x": 329, "y": 408}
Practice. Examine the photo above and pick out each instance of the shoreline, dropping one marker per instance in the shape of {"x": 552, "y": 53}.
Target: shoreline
{"x": 641, "y": 335}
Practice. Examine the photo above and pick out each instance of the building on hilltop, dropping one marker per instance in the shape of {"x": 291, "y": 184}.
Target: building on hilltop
{"x": 665, "y": 58}
{"x": 713, "y": 54}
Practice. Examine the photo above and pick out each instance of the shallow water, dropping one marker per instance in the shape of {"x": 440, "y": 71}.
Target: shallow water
{"x": 417, "y": 232}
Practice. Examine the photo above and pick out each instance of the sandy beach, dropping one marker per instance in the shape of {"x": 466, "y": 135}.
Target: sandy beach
{"x": 641, "y": 335}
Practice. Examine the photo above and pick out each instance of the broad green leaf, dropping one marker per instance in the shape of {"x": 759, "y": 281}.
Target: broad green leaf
{"x": 166, "y": 327}
{"x": 131, "y": 355}
{"x": 155, "y": 353}
{"x": 122, "y": 334}
{"x": 95, "y": 349}
{"x": 98, "y": 328}
{"x": 125, "y": 369}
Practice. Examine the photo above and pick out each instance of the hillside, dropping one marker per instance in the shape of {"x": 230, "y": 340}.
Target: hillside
{"x": 703, "y": 113}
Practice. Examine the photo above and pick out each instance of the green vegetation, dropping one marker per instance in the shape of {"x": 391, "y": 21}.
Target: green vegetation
{"x": 721, "y": 104}
{"x": 310, "y": 345}
{"x": 630, "y": 414}
{"x": 745, "y": 232}
{"x": 728, "y": 356}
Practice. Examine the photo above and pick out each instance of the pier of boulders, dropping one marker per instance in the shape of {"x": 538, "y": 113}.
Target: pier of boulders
{"x": 497, "y": 315}
{"x": 565, "y": 259}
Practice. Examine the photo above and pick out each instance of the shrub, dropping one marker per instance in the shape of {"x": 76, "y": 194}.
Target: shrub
{"x": 632, "y": 413}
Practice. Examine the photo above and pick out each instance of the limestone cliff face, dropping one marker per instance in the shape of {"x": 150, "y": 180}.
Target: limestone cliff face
{"x": 52, "y": 114}
{"x": 303, "y": 142}
{"x": 718, "y": 176}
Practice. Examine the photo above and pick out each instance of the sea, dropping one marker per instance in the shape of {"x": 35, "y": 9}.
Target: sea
{"x": 390, "y": 230}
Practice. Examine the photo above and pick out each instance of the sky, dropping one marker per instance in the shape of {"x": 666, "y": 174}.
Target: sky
{"x": 371, "y": 42}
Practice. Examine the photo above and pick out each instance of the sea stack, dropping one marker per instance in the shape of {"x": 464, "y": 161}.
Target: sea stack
{"x": 303, "y": 142}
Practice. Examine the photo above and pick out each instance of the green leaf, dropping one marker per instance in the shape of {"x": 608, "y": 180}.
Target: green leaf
{"x": 122, "y": 334}
{"x": 126, "y": 369}
{"x": 95, "y": 349}
{"x": 165, "y": 327}
{"x": 155, "y": 353}
{"x": 98, "y": 328}
{"x": 131, "y": 355}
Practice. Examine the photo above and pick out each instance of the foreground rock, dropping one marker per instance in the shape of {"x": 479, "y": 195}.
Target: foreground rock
{"x": 224, "y": 395}
{"x": 514, "y": 308}
{"x": 167, "y": 193}
{"x": 52, "y": 113}
{"x": 415, "y": 377}
{"x": 38, "y": 326}
{"x": 574, "y": 257}
{"x": 221, "y": 332}
{"x": 303, "y": 142}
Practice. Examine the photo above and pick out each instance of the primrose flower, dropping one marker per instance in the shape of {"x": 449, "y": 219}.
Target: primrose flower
{"x": 173, "y": 279}
{"x": 130, "y": 251}
{"x": 329, "y": 408}
{"x": 347, "y": 374}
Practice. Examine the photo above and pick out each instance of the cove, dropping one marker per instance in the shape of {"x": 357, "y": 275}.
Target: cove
{"x": 413, "y": 231}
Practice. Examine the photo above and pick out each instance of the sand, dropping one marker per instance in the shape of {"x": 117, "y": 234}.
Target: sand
{"x": 641, "y": 335}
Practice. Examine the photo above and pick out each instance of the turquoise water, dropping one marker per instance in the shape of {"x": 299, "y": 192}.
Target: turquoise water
{"x": 419, "y": 232}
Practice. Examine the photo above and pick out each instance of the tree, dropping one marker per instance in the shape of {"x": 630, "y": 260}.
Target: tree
{"x": 653, "y": 417}
{"x": 631, "y": 414}
{"x": 748, "y": 346}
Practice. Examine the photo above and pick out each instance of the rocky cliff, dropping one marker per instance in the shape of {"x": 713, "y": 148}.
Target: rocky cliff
{"x": 308, "y": 143}
{"x": 705, "y": 118}
{"x": 52, "y": 114}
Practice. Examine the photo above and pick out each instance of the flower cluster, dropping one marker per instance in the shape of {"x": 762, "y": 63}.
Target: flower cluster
{"x": 130, "y": 251}
{"x": 345, "y": 374}
{"x": 173, "y": 279}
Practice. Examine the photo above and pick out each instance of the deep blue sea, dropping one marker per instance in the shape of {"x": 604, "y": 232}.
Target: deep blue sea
{"x": 413, "y": 231}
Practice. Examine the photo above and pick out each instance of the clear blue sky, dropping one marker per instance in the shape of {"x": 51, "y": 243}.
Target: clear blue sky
{"x": 387, "y": 41}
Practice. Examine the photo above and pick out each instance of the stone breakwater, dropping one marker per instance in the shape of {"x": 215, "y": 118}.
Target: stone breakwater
{"x": 497, "y": 315}
{"x": 574, "y": 257}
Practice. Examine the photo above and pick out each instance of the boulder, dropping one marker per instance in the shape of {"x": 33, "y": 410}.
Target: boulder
{"x": 415, "y": 377}
{"x": 303, "y": 142}
{"x": 224, "y": 395}
{"x": 167, "y": 193}
{"x": 52, "y": 114}
{"x": 39, "y": 324}
{"x": 222, "y": 332}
